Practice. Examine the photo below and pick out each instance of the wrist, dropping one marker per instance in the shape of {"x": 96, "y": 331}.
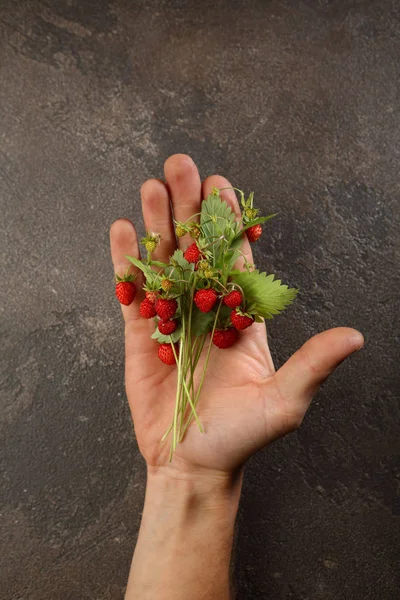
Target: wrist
{"x": 187, "y": 529}
{"x": 194, "y": 490}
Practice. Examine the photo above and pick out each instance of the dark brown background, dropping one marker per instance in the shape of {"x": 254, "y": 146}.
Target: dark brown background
{"x": 297, "y": 100}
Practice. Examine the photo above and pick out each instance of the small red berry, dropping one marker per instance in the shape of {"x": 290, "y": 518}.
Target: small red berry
{"x": 167, "y": 327}
{"x": 192, "y": 253}
{"x": 233, "y": 299}
{"x": 125, "y": 292}
{"x": 205, "y": 299}
{"x": 240, "y": 321}
{"x": 166, "y": 354}
{"x": 147, "y": 310}
{"x": 166, "y": 308}
{"x": 254, "y": 232}
{"x": 152, "y": 296}
{"x": 224, "y": 338}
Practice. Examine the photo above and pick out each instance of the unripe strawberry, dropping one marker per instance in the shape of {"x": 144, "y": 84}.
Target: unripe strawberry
{"x": 251, "y": 213}
{"x": 180, "y": 231}
{"x": 166, "y": 284}
{"x": 240, "y": 321}
{"x": 203, "y": 265}
{"x": 233, "y": 299}
{"x": 194, "y": 231}
{"x": 192, "y": 253}
{"x": 166, "y": 354}
{"x": 205, "y": 299}
{"x": 254, "y": 232}
{"x": 166, "y": 308}
{"x": 150, "y": 245}
{"x": 167, "y": 327}
{"x": 125, "y": 292}
{"x": 224, "y": 338}
{"x": 147, "y": 310}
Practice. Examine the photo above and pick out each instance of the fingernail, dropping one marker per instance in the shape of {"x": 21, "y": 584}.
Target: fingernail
{"x": 357, "y": 340}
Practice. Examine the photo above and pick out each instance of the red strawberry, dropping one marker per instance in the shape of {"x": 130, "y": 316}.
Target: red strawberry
{"x": 192, "y": 253}
{"x": 240, "y": 321}
{"x": 167, "y": 327}
{"x": 147, "y": 310}
{"x": 166, "y": 308}
{"x": 205, "y": 299}
{"x": 125, "y": 292}
{"x": 254, "y": 232}
{"x": 233, "y": 299}
{"x": 224, "y": 338}
{"x": 166, "y": 354}
{"x": 152, "y": 296}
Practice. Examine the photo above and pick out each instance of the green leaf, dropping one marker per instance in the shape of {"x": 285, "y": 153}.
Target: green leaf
{"x": 201, "y": 322}
{"x": 158, "y": 263}
{"x": 265, "y": 296}
{"x": 166, "y": 339}
{"x": 148, "y": 272}
{"x": 180, "y": 268}
{"x": 229, "y": 258}
{"x": 258, "y": 220}
{"x": 216, "y": 219}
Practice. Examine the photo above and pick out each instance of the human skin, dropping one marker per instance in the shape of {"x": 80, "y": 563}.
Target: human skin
{"x": 185, "y": 538}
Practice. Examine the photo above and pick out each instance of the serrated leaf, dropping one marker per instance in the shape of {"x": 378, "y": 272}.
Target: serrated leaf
{"x": 265, "y": 295}
{"x": 166, "y": 339}
{"x": 149, "y": 274}
{"x": 216, "y": 219}
{"x": 258, "y": 220}
{"x": 201, "y": 322}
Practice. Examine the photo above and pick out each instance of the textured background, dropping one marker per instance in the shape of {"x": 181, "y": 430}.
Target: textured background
{"x": 298, "y": 100}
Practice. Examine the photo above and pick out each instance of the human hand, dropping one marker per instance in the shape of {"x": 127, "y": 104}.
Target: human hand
{"x": 244, "y": 404}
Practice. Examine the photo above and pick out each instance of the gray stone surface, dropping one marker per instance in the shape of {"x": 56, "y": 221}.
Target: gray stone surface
{"x": 298, "y": 100}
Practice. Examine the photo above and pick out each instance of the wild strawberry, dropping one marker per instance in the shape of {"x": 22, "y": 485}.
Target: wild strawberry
{"x": 166, "y": 284}
{"x": 224, "y": 338}
{"x": 205, "y": 299}
{"x": 125, "y": 292}
{"x": 180, "y": 230}
{"x": 203, "y": 265}
{"x": 192, "y": 253}
{"x": 233, "y": 299}
{"x": 152, "y": 296}
{"x": 240, "y": 321}
{"x": 151, "y": 241}
{"x": 194, "y": 230}
{"x": 251, "y": 213}
{"x": 166, "y": 308}
{"x": 166, "y": 354}
{"x": 167, "y": 327}
{"x": 146, "y": 309}
{"x": 254, "y": 232}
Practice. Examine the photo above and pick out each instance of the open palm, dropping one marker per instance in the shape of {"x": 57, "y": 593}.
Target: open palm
{"x": 244, "y": 403}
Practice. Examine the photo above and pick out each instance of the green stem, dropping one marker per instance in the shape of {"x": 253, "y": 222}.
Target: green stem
{"x": 208, "y": 355}
{"x": 178, "y": 391}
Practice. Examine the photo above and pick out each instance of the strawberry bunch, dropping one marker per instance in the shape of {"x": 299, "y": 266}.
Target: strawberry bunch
{"x": 199, "y": 300}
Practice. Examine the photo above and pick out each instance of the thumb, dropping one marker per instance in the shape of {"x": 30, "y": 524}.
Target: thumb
{"x": 300, "y": 377}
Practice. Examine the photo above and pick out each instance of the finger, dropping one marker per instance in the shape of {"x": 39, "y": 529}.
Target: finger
{"x": 123, "y": 241}
{"x": 229, "y": 196}
{"x": 184, "y": 184}
{"x": 157, "y": 216}
{"x": 300, "y": 377}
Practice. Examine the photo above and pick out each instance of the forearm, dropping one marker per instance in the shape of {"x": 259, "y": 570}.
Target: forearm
{"x": 185, "y": 540}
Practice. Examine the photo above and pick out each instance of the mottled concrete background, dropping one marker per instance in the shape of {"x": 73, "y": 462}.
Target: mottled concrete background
{"x": 298, "y": 100}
